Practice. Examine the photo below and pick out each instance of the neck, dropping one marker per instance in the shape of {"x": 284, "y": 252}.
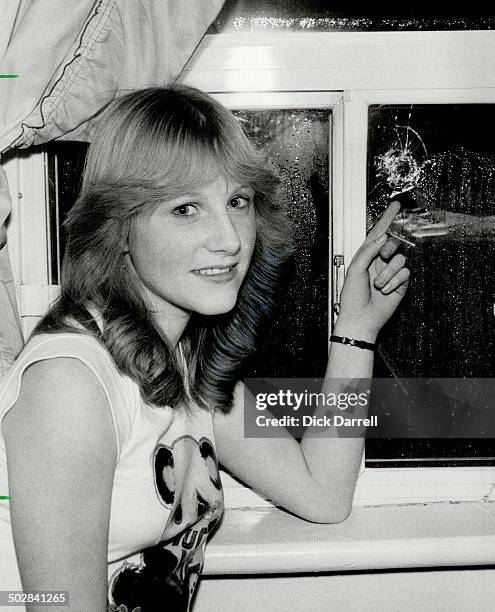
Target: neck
{"x": 171, "y": 324}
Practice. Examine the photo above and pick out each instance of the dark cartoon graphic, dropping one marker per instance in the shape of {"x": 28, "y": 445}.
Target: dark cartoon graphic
{"x": 187, "y": 482}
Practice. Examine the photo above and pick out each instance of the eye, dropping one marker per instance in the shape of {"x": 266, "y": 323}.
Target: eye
{"x": 240, "y": 201}
{"x": 185, "y": 210}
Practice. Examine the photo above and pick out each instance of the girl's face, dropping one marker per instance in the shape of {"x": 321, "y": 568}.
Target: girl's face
{"x": 192, "y": 253}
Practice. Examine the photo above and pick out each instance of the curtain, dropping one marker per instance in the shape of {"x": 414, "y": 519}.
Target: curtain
{"x": 10, "y": 327}
{"x": 72, "y": 59}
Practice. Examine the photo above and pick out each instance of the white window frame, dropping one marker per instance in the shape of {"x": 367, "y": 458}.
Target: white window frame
{"x": 342, "y": 71}
{"x": 27, "y": 233}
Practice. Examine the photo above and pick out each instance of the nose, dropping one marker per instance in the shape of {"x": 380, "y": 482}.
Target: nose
{"x": 223, "y": 234}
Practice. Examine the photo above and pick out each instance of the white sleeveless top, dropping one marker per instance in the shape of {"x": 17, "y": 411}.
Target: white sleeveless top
{"x": 167, "y": 493}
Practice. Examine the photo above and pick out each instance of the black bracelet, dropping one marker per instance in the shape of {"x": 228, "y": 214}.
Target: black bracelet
{"x": 351, "y": 342}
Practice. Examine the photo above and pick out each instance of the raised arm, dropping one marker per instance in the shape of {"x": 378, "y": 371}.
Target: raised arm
{"x": 61, "y": 454}
{"x": 316, "y": 479}
{"x": 372, "y": 291}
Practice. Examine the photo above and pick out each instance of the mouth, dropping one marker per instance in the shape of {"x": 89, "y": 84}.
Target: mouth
{"x": 215, "y": 271}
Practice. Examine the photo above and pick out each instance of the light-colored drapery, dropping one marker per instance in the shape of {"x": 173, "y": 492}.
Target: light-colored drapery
{"x": 72, "y": 58}
{"x": 10, "y": 328}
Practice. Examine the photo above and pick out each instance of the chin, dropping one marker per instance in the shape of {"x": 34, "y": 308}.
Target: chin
{"x": 216, "y": 308}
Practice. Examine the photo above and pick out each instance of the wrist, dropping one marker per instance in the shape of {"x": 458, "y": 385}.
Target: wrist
{"x": 354, "y": 329}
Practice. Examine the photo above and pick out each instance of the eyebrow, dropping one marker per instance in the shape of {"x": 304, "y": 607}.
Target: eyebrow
{"x": 243, "y": 186}
{"x": 196, "y": 194}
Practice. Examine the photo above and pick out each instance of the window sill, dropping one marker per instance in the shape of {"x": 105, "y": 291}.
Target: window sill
{"x": 393, "y": 486}
{"x": 269, "y": 540}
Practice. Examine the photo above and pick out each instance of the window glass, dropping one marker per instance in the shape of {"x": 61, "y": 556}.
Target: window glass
{"x": 296, "y": 142}
{"x": 442, "y": 159}
{"x": 65, "y": 163}
{"x": 323, "y": 16}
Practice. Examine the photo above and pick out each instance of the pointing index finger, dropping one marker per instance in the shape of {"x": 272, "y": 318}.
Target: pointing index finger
{"x": 386, "y": 218}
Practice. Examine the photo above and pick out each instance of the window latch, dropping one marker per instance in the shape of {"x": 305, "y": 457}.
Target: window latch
{"x": 338, "y": 282}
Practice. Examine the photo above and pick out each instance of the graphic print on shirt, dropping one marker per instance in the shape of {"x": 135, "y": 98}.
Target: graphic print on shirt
{"x": 187, "y": 483}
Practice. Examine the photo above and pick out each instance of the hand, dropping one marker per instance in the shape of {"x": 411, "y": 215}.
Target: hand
{"x": 375, "y": 283}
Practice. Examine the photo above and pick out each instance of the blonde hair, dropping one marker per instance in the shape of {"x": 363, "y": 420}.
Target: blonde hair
{"x": 154, "y": 144}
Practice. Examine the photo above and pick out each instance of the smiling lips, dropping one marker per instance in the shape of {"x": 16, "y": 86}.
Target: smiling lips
{"x": 215, "y": 271}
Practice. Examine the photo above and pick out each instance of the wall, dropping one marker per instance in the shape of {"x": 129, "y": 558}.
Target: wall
{"x": 466, "y": 590}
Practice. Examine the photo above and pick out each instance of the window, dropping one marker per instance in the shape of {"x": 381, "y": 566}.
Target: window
{"x": 442, "y": 157}
{"x": 350, "y": 89}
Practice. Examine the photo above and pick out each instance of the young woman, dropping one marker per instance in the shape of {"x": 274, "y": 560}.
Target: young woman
{"x": 117, "y": 410}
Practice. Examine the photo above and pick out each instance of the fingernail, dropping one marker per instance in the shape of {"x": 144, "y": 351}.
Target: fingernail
{"x": 387, "y": 288}
{"x": 381, "y": 238}
{"x": 378, "y": 282}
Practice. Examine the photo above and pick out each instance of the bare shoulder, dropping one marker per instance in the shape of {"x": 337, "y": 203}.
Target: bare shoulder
{"x": 59, "y": 373}
{"x": 60, "y": 397}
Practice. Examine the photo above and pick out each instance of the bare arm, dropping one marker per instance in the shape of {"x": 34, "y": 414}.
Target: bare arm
{"x": 277, "y": 468}
{"x": 61, "y": 453}
{"x": 316, "y": 479}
